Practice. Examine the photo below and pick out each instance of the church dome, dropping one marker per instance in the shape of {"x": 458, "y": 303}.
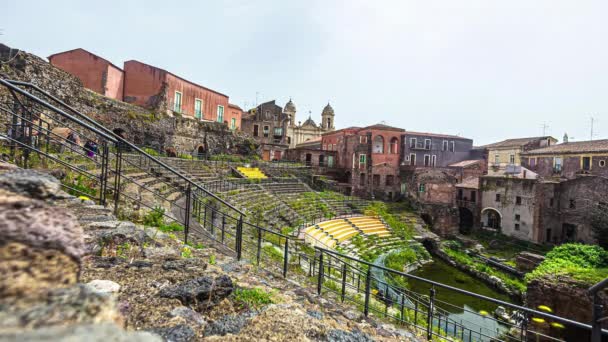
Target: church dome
{"x": 328, "y": 110}
{"x": 289, "y": 107}
{"x": 309, "y": 122}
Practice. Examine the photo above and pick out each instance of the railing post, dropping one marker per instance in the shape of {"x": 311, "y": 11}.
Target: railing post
{"x": 596, "y": 325}
{"x": 429, "y": 318}
{"x": 223, "y": 227}
{"x": 320, "y": 274}
{"x": 117, "y": 176}
{"x": 187, "y": 214}
{"x": 286, "y": 258}
{"x": 343, "y": 293}
{"x": 368, "y": 284}
{"x": 205, "y": 217}
{"x": 239, "y": 237}
{"x": 259, "y": 247}
{"x": 213, "y": 223}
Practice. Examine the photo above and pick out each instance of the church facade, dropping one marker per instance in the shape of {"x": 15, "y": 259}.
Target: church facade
{"x": 309, "y": 130}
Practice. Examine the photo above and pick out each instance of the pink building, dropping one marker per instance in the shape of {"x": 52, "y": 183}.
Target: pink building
{"x": 148, "y": 86}
{"x": 94, "y": 72}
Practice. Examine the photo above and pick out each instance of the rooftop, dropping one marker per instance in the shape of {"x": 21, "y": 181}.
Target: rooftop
{"x": 516, "y": 142}
{"x": 469, "y": 183}
{"x": 174, "y": 75}
{"x": 573, "y": 147}
{"x": 89, "y": 52}
{"x": 465, "y": 163}
{"x": 436, "y": 135}
{"x": 383, "y": 127}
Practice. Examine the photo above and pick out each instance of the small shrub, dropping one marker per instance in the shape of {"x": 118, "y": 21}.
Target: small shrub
{"x": 151, "y": 151}
{"x": 255, "y": 297}
{"x": 186, "y": 252}
{"x": 155, "y": 218}
{"x": 212, "y": 259}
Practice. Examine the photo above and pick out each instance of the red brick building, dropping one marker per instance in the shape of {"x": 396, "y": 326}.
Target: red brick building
{"x": 370, "y": 158}
{"x": 148, "y": 86}
{"x": 94, "y": 72}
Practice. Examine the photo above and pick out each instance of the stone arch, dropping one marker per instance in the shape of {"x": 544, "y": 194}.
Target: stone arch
{"x": 491, "y": 218}
{"x": 378, "y": 144}
{"x": 200, "y": 151}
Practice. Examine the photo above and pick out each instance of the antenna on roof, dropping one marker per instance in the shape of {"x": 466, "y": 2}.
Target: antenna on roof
{"x": 591, "y": 134}
{"x": 544, "y": 127}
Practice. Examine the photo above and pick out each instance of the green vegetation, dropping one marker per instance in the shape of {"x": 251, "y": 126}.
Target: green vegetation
{"x": 185, "y": 156}
{"x": 155, "y": 218}
{"x": 253, "y": 298}
{"x": 151, "y": 151}
{"x": 272, "y": 252}
{"x": 212, "y": 260}
{"x": 454, "y": 251}
{"x": 400, "y": 228}
{"x": 506, "y": 247}
{"x": 584, "y": 263}
{"x": 80, "y": 185}
{"x": 186, "y": 252}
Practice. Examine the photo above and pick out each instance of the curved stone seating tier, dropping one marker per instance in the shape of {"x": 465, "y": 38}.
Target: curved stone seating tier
{"x": 335, "y": 232}
{"x": 252, "y": 172}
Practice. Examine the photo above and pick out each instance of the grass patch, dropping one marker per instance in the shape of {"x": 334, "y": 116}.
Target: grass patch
{"x": 253, "y": 298}
{"x": 586, "y": 264}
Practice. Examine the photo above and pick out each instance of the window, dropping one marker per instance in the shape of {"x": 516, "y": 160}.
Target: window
{"x": 389, "y": 180}
{"x": 497, "y": 159}
{"x": 517, "y": 217}
{"x": 427, "y": 144}
{"x": 376, "y": 180}
{"x": 512, "y": 159}
{"x": 266, "y": 129}
{"x": 362, "y": 179}
{"x": 460, "y": 194}
{"x": 324, "y": 147}
{"x": 363, "y": 139}
{"x": 220, "y": 113}
{"x": 378, "y": 144}
{"x": 427, "y": 160}
{"x": 444, "y": 145}
{"x": 330, "y": 161}
{"x": 433, "y": 160}
{"x": 278, "y": 131}
{"x": 321, "y": 160}
{"x": 497, "y": 197}
{"x": 394, "y": 149}
{"x": 452, "y": 146}
{"x": 602, "y": 163}
{"x": 572, "y": 204}
{"x": 412, "y": 159}
{"x": 586, "y": 163}
{"x": 362, "y": 160}
{"x": 198, "y": 108}
{"x": 551, "y": 202}
{"x": 517, "y": 226}
{"x": 557, "y": 164}
{"x": 412, "y": 142}
{"x": 256, "y": 130}
{"x": 177, "y": 102}
{"x": 421, "y": 187}
{"x": 233, "y": 123}
{"x": 532, "y": 162}
{"x": 518, "y": 200}
{"x": 473, "y": 196}
{"x": 276, "y": 117}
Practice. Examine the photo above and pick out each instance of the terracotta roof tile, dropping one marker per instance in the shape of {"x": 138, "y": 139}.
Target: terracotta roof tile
{"x": 573, "y": 147}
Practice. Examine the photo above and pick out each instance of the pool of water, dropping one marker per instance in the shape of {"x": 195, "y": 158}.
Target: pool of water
{"x": 462, "y": 308}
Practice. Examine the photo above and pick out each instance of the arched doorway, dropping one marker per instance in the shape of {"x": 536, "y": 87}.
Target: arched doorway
{"x": 200, "y": 152}
{"x": 378, "y": 146}
{"x": 491, "y": 218}
{"x": 427, "y": 219}
{"x": 465, "y": 220}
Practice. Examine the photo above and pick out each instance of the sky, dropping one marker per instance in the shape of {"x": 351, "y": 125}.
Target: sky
{"x": 484, "y": 69}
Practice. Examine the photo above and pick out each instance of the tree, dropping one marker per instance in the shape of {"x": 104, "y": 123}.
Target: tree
{"x": 599, "y": 224}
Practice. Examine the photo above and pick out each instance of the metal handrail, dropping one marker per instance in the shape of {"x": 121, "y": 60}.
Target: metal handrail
{"x": 103, "y": 131}
{"x": 448, "y": 287}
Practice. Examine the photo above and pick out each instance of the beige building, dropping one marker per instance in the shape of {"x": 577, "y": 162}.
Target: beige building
{"x": 309, "y": 130}
{"x": 507, "y": 152}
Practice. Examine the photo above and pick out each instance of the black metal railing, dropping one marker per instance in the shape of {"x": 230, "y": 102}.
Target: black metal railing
{"x": 99, "y": 163}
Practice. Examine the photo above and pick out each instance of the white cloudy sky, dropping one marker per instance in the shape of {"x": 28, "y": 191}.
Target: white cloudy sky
{"x": 484, "y": 69}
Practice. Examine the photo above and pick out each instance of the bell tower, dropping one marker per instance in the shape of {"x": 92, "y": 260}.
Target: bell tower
{"x": 327, "y": 118}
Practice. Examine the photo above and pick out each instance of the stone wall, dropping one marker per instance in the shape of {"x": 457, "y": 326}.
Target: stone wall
{"x": 143, "y": 127}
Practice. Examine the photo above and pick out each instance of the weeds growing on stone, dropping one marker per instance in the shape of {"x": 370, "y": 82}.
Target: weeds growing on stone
{"x": 253, "y": 298}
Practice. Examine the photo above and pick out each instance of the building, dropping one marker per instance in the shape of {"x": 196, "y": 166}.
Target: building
{"x": 569, "y": 159}
{"x": 509, "y": 202}
{"x": 435, "y": 150}
{"x": 267, "y": 123}
{"x": 507, "y": 152}
{"x": 95, "y": 73}
{"x": 149, "y": 87}
{"x": 369, "y": 158}
{"x": 309, "y": 130}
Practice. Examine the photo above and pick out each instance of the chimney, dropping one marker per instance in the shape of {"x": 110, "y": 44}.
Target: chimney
{"x": 565, "y": 138}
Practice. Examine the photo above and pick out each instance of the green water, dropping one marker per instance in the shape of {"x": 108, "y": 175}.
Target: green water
{"x": 461, "y": 308}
